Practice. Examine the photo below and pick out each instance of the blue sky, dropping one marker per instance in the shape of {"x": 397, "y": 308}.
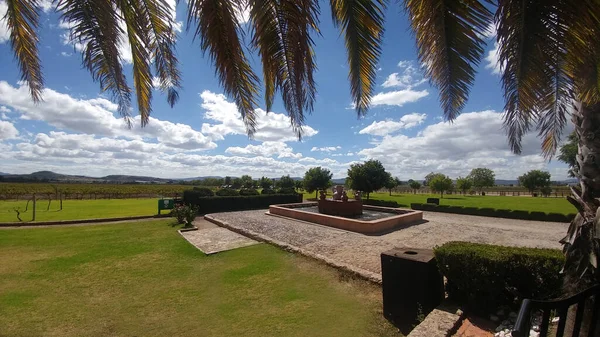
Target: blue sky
{"x": 76, "y": 129}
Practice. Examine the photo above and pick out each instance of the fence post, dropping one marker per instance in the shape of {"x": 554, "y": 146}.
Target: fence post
{"x": 61, "y": 196}
{"x": 33, "y": 218}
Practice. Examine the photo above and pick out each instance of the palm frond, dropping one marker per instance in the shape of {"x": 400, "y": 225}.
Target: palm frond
{"x": 95, "y": 24}
{"x": 22, "y": 20}
{"x": 281, "y": 34}
{"x": 219, "y": 31}
{"x": 531, "y": 39}
{"x": 162, "y": 47}
{"x": 450, "y": 44}
{"x": 583, "y": 57}
{"x": 138, "y": 35}
{"x": 361, "y": 22}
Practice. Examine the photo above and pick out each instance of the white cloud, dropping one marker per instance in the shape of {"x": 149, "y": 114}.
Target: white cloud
{"x": 4, "y": 116}
{"x": 8, "y": 130}
{"x": 475, "y": 139}
{"x": 493, "y": 60}
{"x": 65, "y": 54}
{"x": 325, "y": 149}
{"x": 382, "y": 128}
{"x": 273, "y": 126}
{"x": 4, "y": 109}
{"x": 398, "y": 98}
{"x": 4, "y": 32}
{"x": 96, "y": 117}
{"x": 265, "y": 149}
{"x": 410, "y": 77}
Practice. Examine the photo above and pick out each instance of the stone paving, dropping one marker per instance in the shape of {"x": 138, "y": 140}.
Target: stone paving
{"x": 211, "y": 239}
{"x": 361, "y": 253}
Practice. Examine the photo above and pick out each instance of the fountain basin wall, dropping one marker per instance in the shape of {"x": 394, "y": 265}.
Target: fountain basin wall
{"x": 340, "y": 208}
{"x": 398, "y": 218}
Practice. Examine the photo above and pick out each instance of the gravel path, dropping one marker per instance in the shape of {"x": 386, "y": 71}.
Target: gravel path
{"x": 362, "y": 252}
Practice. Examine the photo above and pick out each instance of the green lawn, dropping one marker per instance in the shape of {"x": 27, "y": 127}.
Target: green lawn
{"x": 557, "y": 205}
{"x": 79, "y": 209}
{"x": 143, "y": 279}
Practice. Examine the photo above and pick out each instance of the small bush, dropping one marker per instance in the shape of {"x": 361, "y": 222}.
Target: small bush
{"x": 503, "y": 213}
{"x": 522, "y": 215}
{"x": 185, "y": 214}
{"x": 268, "y": 191}
{"x": 286, "y": 190}
{"x": 203, "y": 191}
{"x": 227, "y": 192}
{"x": 539, "y": 216}
{"x": 557, "y": 217}
{"x": 485, "y": 277}
{"x": 248, "y": 191}
{"x": 486, "y": 212}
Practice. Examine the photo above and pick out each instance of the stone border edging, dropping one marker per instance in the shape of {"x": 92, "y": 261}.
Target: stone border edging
{"x": 362, "y": 273}
{"x": 80, "y": 221}
{"x": 443, "y": 321}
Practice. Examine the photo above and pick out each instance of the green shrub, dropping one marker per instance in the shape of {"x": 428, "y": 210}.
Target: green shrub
{"x": 381, "y": 203}
{"x": 455, "y": 209}
{"x": 523, "y": 215}
{"x": 237, "y": 203}
{"x": 248, "y": 191}
{"x": 286, "y": 190}
{"x": 503, "y": 213}
{"x": 486, "y": 212}
{"x": 485, "y": 277}
{"x": 557, "y": 217}
{"x": 268, "y": 191}
{"x": 539, "y": 216}
{"x": 203, "y": 191}
{"x": 227, "y": 192}
{"x": 185, "y": 214}
{"x": 470, "y": 210}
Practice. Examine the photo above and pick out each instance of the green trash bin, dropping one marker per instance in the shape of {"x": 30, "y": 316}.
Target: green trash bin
{"x": 165, "y": 204}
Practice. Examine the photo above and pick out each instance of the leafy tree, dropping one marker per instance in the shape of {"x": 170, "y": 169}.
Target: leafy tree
{"x": 228, "y": 181}
{"x": 535, "y": 179}
{"x": 265, "y": 183}
{"x": 391, "y": 184}
{"x": 428, "y": 178}
{"x": 398, "y": 181}
{"x": 367, "y": 177}
{"x": 237, "y": 183}
{"x": 299, "y": 185}
{"x": 568, "y": 154}
{"x": 464, "y": 184}
{"x": 317, "y": 178}
{"x": 286, "y": 182}
{"x": 246, "y": 181}
{"x": 482, "y": 177}
{"x": 415, "y": 185}
{"x": 440, "y": 183}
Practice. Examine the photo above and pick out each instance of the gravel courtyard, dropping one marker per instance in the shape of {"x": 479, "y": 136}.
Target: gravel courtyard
{"x": 361, "y": 253}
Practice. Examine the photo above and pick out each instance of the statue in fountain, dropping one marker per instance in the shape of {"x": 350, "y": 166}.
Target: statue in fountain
{"x": 337, "y": 192}
{"x": 322, "y": 195}
{"x": 344, "y": 196}
{"x": 357, "y": 196}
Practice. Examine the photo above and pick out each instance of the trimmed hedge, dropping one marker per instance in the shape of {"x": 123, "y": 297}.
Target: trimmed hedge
{"x": 485, "y": 277}
{"x": 381, "y": 203}
{"x": 236, "y": 203}
{"x": 496, "y": 213}
{"x": 248, "y": 191}
{"x": 286, "y": 190}
{"x": 203, "y": 191}
{"x": 227, "y": 192}
{"x": 268, "y": 191}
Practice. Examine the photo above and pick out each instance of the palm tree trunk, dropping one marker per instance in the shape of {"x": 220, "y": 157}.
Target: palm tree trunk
{"x": 582, "y": 243}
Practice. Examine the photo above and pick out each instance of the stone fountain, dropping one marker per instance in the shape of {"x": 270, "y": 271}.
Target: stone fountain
{"x": 340, "y": 205}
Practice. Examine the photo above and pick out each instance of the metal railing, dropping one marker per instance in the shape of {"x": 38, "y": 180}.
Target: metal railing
{"x": 561, "y": 309}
